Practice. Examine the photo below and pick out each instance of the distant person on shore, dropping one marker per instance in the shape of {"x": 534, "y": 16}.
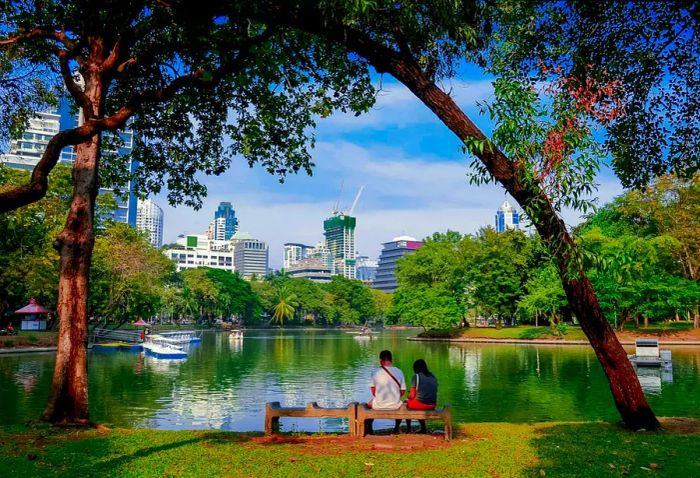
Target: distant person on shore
{"x": 388, "y": 386}
{"x": 423, "y": 394}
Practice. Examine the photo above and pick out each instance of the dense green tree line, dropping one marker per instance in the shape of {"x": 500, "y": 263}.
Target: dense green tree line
{"x": 130, "y": 279}
{"x": 642, "y": 253}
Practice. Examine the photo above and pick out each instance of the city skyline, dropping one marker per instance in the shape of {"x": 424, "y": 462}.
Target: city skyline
{"x": 412, "y": 167}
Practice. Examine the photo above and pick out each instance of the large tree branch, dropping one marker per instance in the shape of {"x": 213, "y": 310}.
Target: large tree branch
{"x": 73, "y": 88}
{"x": 15, "y": 198}
{"x": 45, "y": 33}
{"x": 36, "y": 189}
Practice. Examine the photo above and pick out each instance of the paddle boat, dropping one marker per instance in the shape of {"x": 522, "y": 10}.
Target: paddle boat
{"x": 180, "y": 337}
{"x": 161, "y": 348}
{"x": 236, "y": 335}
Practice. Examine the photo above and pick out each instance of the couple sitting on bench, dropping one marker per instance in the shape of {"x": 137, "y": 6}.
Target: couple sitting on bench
{"x": 388, "y": 387}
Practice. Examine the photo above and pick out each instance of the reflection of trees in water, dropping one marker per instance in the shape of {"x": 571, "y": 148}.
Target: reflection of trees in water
{"x": 24, "y": 386}
{"x": 219, "y": 386}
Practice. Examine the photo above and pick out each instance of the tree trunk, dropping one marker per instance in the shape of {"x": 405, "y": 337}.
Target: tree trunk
{"x": 696, "y": 317}
{"x": 646, "y": 322}
{"x": 68, "y": 401}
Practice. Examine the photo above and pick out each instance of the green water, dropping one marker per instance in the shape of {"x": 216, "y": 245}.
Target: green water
{"x": 225, "y": 384}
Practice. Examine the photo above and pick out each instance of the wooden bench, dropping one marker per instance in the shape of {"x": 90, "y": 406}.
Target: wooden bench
{"x": 273, "y": 412}
{"x": 365, "y": 413}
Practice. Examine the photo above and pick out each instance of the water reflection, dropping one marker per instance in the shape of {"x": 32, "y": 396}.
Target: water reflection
{"x": 225, "y": 383}
{"x": 651, "y": 378}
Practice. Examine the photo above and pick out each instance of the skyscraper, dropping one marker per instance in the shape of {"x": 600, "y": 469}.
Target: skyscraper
{"x": 507, "y": 218}
{"x": 294, "y": 252}
{"x": 225, "y": 222}
{"x": 149, "y": 218}
{"x": 339, "y": 231}
{"x": 385, "y": 277}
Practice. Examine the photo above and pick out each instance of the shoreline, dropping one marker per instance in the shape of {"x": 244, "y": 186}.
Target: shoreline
{"x": 487, "y": 340}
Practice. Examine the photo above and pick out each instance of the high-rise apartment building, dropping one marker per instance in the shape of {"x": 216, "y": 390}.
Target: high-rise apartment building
{"x": 225, "y": 222}
{"x": 294, "y": 252}
{"x": 339, "y": 231}
{"x": 149, "y": 218}
{"x": 385, "y": 278}
{"x": 250, "y": 256}
{"x": 507, "y": 218}
{"x": 25, "y": 152}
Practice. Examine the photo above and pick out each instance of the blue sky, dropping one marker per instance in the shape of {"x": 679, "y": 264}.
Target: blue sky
{"x": 411, "y": 165}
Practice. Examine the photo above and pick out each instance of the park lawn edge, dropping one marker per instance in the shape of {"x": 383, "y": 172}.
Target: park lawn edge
{"x": 576, "y": 449}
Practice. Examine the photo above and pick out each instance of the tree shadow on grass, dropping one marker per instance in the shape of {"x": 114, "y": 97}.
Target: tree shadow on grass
{"x": 107, "y": 453}
{"x": 209, "y": 439}
{"x": 605, "y": 449}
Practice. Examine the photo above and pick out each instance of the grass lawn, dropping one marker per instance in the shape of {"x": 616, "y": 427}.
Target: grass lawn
{"x": 666, "y": 330}
{"x": 515, "y": 332}
{"x": 29, "y": 338}
{"x": 478, "y": 450}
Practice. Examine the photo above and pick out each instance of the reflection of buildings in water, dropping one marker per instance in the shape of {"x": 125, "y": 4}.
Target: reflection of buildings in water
{"x": 651, "y": 378}
{"x": 468, "y": 358}
{"x": 27, "y": 375}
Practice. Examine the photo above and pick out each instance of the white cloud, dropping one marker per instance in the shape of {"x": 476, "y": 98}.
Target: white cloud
{"x": 398, "y": 107}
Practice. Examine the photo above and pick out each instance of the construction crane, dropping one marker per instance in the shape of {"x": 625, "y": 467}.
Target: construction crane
{"x": 354, "y": 203}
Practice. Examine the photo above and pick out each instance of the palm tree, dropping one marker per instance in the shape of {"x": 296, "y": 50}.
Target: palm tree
{"x": 286, "y": 303}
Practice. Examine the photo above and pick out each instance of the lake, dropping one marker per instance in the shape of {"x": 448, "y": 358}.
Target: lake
{"x": 224, "y": 384}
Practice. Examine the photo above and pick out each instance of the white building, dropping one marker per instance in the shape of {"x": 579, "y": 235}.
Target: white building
{"x": 250, "y": 256}
{"x": 149, "y": 218}
{"x": 199, "y": 251}
{"x": 294, "y": 252}
{"x": 26, "y": 151}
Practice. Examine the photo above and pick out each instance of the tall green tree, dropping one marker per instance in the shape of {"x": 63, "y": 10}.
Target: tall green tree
{"x": 127, "y": 274}
{"x": 420, "y": 43}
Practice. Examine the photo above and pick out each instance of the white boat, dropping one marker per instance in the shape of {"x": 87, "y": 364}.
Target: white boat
{"x": 161, "y": 348}
{"x": 180, "y": 336}
{"x": 236, "y": 335}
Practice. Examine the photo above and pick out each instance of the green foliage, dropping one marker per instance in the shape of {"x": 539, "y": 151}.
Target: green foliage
{"x": 642, "y": 251}
{"x": 28, "y": 261}
{"x": 127, "y": 275}
{"x": 628, "y": 67}
{"x": 209, "y": 293}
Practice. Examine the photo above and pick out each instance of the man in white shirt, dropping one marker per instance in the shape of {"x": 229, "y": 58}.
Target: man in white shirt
{"x": 388, "y": 386}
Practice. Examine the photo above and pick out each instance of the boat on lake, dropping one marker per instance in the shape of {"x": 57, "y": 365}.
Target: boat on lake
{"x": 162, "y": 348}
{"x": 236, "y": 335}
{"x": 179, "y": 337}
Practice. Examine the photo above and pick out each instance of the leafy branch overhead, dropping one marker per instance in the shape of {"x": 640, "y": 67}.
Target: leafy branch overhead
{"x": 197, "y": 88}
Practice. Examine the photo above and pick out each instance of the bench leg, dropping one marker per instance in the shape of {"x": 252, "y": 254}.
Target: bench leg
{"x": 448, "y": 430}
{"x": 272, "y": 425}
